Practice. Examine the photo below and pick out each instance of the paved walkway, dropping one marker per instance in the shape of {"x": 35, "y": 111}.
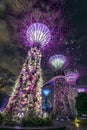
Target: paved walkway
{"x": 71, "y": 125}
{"x": 31, "y": 128}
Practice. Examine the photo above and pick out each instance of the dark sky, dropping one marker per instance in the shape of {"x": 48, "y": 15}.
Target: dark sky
{"x": 12, "y": 57}
{"x": 78, "y": 10}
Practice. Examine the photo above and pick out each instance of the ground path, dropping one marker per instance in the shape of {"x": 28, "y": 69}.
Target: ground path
{"x": 71, "y": 125}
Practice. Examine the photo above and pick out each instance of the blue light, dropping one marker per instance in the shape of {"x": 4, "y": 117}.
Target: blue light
{"x": 46, "y": 92}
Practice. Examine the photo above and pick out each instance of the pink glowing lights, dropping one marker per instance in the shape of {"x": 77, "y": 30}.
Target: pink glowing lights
{"x": 81, "y": 90}
{"x": 38, "y": 33}
{"x": 71, "y": 76}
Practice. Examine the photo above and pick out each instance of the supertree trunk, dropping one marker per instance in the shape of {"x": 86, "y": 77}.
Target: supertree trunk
{"x": 26, "y": 96}
{"x": 71, "y": 98}
{"x": 71, "y": 78}
{"x": 60, "y": 103}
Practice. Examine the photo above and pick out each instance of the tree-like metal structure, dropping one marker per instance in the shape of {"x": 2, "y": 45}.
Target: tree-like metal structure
{"x": 38, "y": 33}
{"x": 60, "y": 103}
{"x": 71, "y": 78}
{"x": 58, "y": 62}
{"x": 34, "y": 36}
{"x": 26, "y": 96}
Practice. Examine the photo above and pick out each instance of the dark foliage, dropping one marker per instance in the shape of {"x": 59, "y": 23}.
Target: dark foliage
{"x": 81, "y": 103}
{"x": 36, "y": 121}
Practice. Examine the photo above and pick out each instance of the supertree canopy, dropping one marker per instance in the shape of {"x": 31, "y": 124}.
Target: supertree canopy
{"x": 43, "y": 35}
{"x": 71, "y": 76}
{"x": 38, "y": 33}
{"x": 82, "y": 88}
{"x": 58, "y": 61}
{"x": 26, "y": 27}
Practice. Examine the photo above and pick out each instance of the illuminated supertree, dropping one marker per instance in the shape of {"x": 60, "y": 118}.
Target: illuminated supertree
{"x": 71, "y": 78}
{"x": 38, "y": 33}
{"x": 29, "y": 30}
{"x": 60, "y": 103}
{"x": 82, "y": 88}
{"x": 58, "y": 63}
{"x": 55, "y": 20}
{"x": 26, "y": 97}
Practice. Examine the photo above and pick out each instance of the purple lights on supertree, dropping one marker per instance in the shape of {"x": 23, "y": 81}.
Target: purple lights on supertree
{"x": 79, "y": 90}
{"x": 58, "y": 61}
{"x": 38, "y": 33}
{"x": 44, "y": 35}
{"x": 27, "y": 89}
{"x": 71, "y": 76}
{"x": 39, "y": 22}
{"x": 60, "y": 102}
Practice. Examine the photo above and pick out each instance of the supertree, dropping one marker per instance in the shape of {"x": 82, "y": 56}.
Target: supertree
{"x": 60, "y": 103}
{"x": 82, "y": 89}
{"x": 26, "y": 96}
{"x": 53, "y": 16}
{"x": 71, "y": 78}
{"x": 58, "y": 62}
{"x": 30, "y": 31}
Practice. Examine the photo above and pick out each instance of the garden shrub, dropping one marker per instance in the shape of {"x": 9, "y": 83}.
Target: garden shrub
{"x": 36, "y": 121}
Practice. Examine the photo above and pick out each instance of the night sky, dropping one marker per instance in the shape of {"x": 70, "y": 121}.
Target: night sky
{"x": 78, "y": 9}
{"x": 12, "y": 56}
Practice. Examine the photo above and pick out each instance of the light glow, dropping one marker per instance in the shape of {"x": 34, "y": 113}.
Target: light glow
{"x": 46, "y": 92}
{"x": 77, "y": 121}
{"x": 38, "y": 33}
{"x": 81, "y": 90}
{"x": 58, "y": 61}
{"x": 71, "y": 76}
